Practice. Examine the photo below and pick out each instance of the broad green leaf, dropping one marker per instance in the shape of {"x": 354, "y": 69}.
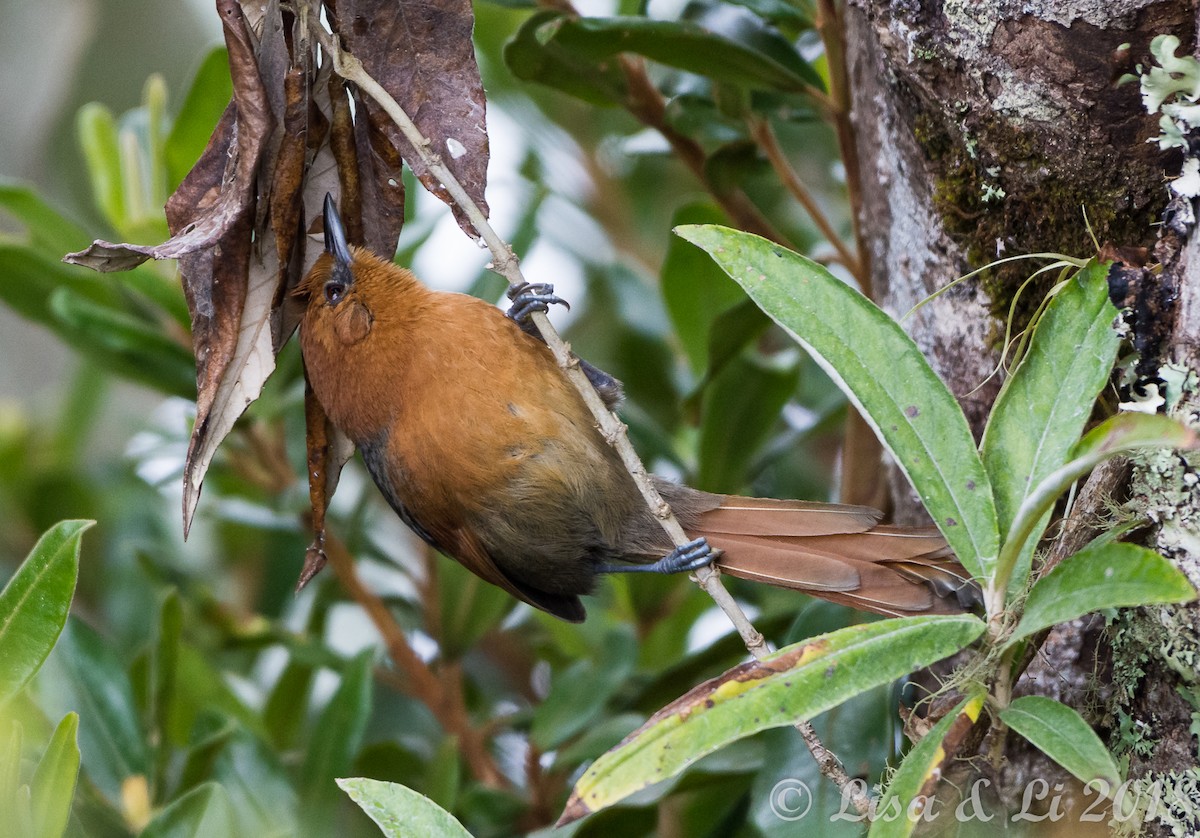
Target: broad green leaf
{"x": 126, "y": 345}
{"x": 202, "y": 107}
{"x": 1041, "y": 410}
{"x": 401, "y": 812}
{"x": 1104, "y": 576}
{"x": 741, "y": 407}
{"x": 882, "y": 372}
{"x": 726, "y": 44}
{"x": 532, "y": 57}
{"x": 86, "y": 675}
{"x": 1122, "y": 433}
{"x": 204, "y": 812}
{"x": 96, "y": 129}
{"x": 579, "y": 693}
{"x": 917, "y": 771}
{"x": 794, "y": 684}
{"x": 35, "y": 602}
{"x": 49, "y": 232}
{"x": 53, "y": 785}
{"x": 1062, "y": 734}
{"x": 694, "y": 289}
{"x": 336, "y": 738}
{"x": 258, "y": 788}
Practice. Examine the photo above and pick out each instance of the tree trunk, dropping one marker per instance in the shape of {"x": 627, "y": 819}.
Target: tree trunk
{"x": 988, "y": 130}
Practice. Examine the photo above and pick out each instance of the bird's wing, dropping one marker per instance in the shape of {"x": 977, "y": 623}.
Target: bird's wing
{"x": 465, "y": 547}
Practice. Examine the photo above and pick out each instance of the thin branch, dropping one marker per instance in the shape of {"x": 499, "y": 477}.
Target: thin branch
{"x": 831, "y": 27}
{"x": 764, "y": 135}
{"x": 505, "y": 262}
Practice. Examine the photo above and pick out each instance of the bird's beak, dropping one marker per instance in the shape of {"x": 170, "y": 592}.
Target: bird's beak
{"x": 335, "y": 234}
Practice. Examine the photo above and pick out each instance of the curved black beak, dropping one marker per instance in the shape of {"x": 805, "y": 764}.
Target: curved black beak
{"x": 335, "y": 234}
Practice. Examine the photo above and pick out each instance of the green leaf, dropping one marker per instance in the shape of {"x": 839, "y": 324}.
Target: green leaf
{"x": 1122, "y": 433}
{"x": 1062, "y": 734}
{"x": 126, "y": 345}
{"x": 1104, "y": 576}
{"x": 96, "y": 129}
{"x": 881, "y": 370}
{"x": 919, "y": 767}
{"x": 53, "y": 786}
{"x": 401, "y": 812}
{"x": 164, "y": 666}
{"x": 336, "y": 738}
{"x": 35, "y": 602}
{"x": 204, "y": 812}
{"x": 531, "y": 57}
{"x": 1043, "y": 406}
{"x": 579, "y": 693}
{"x": 49, "y": 232}
{"x": 741, "y": 407}
{"x": 86, "y": 675}
{"x": 694, "y": 289}
{"x": 28, "y": 280}
{"x": 794, "y": 684}
{"x": 206, "y": 100}
{"x": 720, "y": 42}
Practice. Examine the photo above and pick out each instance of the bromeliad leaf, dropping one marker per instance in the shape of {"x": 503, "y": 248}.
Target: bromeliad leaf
{"x": 35, "y": 602}
{"x": 919, "y": 772}
{"x": 401, "y": 812}
{"x": 1062, "y": 734}
{"x": 794, "y": 684}
{"x": 1104, "y": 576}
{"x": 1041, "y": 410}
{"x": 882, "y": 371}
{"x": 1122, "y": 433}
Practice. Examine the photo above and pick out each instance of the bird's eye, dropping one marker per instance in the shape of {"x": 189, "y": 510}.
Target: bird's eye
{"x": 334, "y": 291}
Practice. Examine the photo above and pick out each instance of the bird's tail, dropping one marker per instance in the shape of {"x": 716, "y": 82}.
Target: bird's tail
{"x": 838, "y": 553}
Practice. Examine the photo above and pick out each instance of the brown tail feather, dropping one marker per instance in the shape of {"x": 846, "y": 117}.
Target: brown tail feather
{"x": 838, "y": 553}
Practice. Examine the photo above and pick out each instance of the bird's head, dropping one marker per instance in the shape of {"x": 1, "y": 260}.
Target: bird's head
{"x": 338, "y": 304}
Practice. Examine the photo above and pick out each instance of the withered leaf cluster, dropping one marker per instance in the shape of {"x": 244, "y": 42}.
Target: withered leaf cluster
{"x": 246, "y": 221}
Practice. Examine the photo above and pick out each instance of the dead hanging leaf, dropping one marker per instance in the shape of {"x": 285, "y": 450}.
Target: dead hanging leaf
{"x": 328, "y": 450}
{"x": 422, "y": 54}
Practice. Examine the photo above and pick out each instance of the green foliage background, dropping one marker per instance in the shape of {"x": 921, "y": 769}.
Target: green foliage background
{"x": 213, "y": 700}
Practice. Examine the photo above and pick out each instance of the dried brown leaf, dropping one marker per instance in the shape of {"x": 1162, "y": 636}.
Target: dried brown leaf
{"x": 421, "y": 52}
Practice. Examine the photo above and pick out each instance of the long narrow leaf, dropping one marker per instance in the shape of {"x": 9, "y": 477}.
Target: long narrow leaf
{"x": 1041, "y": 410}
{"x": 794, "y": 684}
{"x": 35, "y": 602}
{"x": 54, "y": 780}
{"x": 919, "y": 770}
{"x": 1104, "y": 576}
{"x": 1062, "y": 734}
{"x": 881, "y": 370}
{"x": 1122, "y": 433}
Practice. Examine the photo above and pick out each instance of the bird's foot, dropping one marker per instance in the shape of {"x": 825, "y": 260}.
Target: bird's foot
{"x": 691, "y": 556}
{"x": 530, "y": 297}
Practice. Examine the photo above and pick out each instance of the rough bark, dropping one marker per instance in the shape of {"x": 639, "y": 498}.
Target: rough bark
{"x": 986, "y": 130}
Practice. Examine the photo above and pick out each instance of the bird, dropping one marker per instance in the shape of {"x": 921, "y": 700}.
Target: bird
{"x": 481, "y": 445}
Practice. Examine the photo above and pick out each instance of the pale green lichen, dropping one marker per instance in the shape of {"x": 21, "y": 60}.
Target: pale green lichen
{"x": 1173, "y": 88}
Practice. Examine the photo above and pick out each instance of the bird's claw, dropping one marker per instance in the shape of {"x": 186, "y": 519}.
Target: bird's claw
{"x": 530, "y": 297}
{"x": 691, "y": 556}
